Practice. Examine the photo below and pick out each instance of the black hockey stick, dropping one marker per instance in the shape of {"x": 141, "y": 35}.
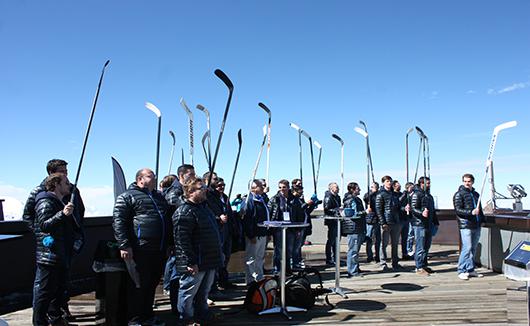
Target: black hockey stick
{"x": 240, "y": 142}
{"x": 88, "y": 132}
{"x": 224, "y": 78}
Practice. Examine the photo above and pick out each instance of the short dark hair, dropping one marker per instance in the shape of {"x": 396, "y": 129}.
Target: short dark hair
{"x": 295, "y": 181}
{"x": 423, "y": 179}
{"x": 257, "y": 183}
{"x": 54, "y": 164}
{"x": 53, "y": 180}
{"x": 284, "y": 182}
{"x": 468, "y": 175}
{"x": 167, "y": 181}
{"x": 184, "y": 168}
{"x": 352, "y": 186}
{"x": 386, "y": 177}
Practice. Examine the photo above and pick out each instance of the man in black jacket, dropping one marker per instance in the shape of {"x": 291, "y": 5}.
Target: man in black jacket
{"x": 470, "y": 217}
{"x": 197, "y": 250}
{"x": 143, "y": 232}
{"x": 332, "y": 206}
{"x": 423, "y": 221}
{"x": 54, "y": 228}
{"x": 388, "y": 209}
{"x": 373, "y": 228}
{"x": 280, "y": 208}
{"x": 255, "y": 212}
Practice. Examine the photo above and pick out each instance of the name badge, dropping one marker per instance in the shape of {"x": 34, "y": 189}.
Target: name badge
{"x": 286, "y": 216}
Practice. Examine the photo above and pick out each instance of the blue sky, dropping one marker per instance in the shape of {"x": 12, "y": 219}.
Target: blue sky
{"x": 456, "y": 69}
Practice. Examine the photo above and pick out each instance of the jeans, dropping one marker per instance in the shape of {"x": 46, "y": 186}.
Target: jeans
{"x": 352, "y": 257}
{"x": 404, "y": 238}
{"x": 299, "y": 236}
{"x": 193, "y": 295}
{"x": 373, "y": 236}
{"x": 410, "y": 238}
{"x": 169, "y": 271}
{"x": 254, "y": 258}
{"x": 149, "y": 265}
{"x": 289, "y": 251}
{"x": 48, "y": 293}
{"x": 470, "y": 239}
{"x": 331, "y": 242}
{"x": 423, "y": 244}
{"x": 393, "y": 235}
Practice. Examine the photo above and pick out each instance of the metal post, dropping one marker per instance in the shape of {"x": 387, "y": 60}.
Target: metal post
{"x": 282, "y": 274}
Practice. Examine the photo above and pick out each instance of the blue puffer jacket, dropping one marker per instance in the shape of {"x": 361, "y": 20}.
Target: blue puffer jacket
{"x": 140, "y": 220}
{"x": 51, "y": 223}
{"x": 357, "y": 223}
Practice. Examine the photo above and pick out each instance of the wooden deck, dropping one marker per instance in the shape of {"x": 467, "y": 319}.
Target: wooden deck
{"x": 377, "y": 298}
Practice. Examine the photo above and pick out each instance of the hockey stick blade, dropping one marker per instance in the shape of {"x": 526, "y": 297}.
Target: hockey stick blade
{"x": 172, "y": 134}
{"x": 221, "y": 75}
{"x": 420, "y": 132}
{"x": 317, "y": 144}
{"x": 505, "y": 125}
{"x": 294, "y": 126}
{"x": 266, "y": 109}
{"x": 150, "y": 106}
{"x": 338, "y": 138}
{"x": 361, "y": 132}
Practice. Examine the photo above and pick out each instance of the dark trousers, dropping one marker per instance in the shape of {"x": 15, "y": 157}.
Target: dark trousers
{"x": 49, "y": 293}
{"x": 149, "y": 264}
{"x": 404, "y": 238}
{"x": 331, "y": 242}
{"x": 227, "y": 251}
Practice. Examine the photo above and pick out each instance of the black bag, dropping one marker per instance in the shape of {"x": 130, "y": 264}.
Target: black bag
{"x": 298, "y": 291}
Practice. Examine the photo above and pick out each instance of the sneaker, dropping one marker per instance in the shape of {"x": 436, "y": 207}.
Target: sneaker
{"x": 475, "y": 274}
{"x": 166, "y": 293}
{"x": 463, "y": 276}
{"x": 411, "y": 253}
{"x": 210, "y": 302}
{"x": 428, "y": 269}
{"x": 422, "y": 272}
{"x": 397, "y": 268}
{"x": 307, "y": 243}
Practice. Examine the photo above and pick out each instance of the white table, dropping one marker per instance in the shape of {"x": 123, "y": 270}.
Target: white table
{"x": 337, "y": 289}
{"x": 282, "y": 309}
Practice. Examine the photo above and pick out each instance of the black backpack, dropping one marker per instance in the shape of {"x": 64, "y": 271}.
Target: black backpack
{"x": 298, "y": 291}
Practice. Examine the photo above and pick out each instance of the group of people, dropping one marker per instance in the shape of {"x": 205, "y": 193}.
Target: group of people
{"x": 190, "y": 227}
{"x": 407, "y": 218}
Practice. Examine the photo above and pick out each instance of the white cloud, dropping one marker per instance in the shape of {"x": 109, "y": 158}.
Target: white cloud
{"x": 99, "y": 201}
{"x": 507, "y": 89}
{"x": 14, "y": 201}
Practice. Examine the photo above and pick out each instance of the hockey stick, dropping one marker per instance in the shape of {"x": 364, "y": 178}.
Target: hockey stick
{"x": 172, "y": 151}
{"x": 257, "y": 161}
{"x": 317, "y": 144}
{"x": 87, "y": 133}
{"x": 203, "y": 142}
{"x": 240, "y": 142}
{"x": 299, "y": 131}
{"x": 368, "y": 149}
{"x": 224, "y": 78}
{"x": 341, "y": 159}
{"x": 312, "y": 158}
{"x": 407, "y": 151}
{"x": 182, "y": 155}
{"x": 190, "y": 121}
{"x": 156, "y": 111}
{"x": 266, "y": 109}
{"x": 496, "y": 132}
{"x": 209, "y": 155}
{"x": 120, "y": 184}
{"x": 363, "y": 133}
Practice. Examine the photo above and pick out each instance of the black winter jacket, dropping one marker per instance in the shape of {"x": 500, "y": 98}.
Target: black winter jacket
{"x": 50, "y": 221}
{"x": 293, "y": 205}
{"x": 465, "y": 200}
{"x": 357, "y": 223}
{"x": 214, "y": 203}
{"x": 255, "y": 212}
{"x": 140, "y": 220}
{"x": 331, "y": 206}
{"x": 29, "y": 213}
{"x": 388, "y": 207}
{"x": 173, "y": 196}
{"x": 420, "y": 201}
{"x": 371, "y": 218}
{"x": 197, "y": 238}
